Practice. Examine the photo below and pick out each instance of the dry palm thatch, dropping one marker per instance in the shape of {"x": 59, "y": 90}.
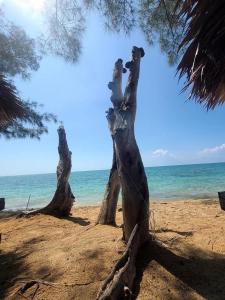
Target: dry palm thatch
{"x": 204, "y": 59}
{"x": 11, "y": 107}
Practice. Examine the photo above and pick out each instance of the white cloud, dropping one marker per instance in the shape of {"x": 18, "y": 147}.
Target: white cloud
{"x": 213, "y": 150}
{"x": 160, "y": 152}
{"x": 160, "y": 157}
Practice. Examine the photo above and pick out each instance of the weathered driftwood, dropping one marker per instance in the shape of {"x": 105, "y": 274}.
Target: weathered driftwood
{"x": 135, "y": 195}
{"x": 107, "y": 215}
{"x": 63, "y": 199}
{"x": 2, "y": 203}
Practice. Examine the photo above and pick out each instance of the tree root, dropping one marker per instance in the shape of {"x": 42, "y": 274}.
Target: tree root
{"x": 29, "y": 284}
{"x": 119, "y": 283}
{"x": 30, "y": 213}
{"x": 44, "y": 211}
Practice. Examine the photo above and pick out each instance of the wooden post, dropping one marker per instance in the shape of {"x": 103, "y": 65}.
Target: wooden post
{"x": 2, "y": 203}
{"x": 222, "y": 200}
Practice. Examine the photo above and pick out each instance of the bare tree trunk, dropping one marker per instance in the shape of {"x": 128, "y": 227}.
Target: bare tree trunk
{"x": 63, "y": 199}
{"x": 135, "y": 194}
{"x": 107, "y": 215}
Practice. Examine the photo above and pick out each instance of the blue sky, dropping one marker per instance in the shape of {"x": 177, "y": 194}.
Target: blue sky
{"x": 169, "y": 129}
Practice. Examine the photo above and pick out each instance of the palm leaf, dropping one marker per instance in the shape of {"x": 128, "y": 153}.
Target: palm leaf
{"x": 11, "y": 107}
{"x": 203, "y": 61}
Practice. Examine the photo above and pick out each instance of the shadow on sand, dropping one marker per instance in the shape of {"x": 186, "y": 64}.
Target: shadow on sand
{"x": 11, "y": 265}
{"x": 202, "y": 271}
{"x": 182, "y": 233}
{"x": 78, "y": 220}
{"x": 13, "y": 269}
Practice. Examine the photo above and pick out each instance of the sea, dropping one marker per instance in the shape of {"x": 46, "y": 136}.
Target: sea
{"x": 198, "y": 181}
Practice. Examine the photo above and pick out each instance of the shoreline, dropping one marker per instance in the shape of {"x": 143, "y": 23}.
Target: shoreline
{"x": 169, "y": 183}
{"x": 98, "y": 204}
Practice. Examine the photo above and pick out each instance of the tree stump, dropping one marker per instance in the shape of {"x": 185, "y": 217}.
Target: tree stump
{"x": 63, "y": 199}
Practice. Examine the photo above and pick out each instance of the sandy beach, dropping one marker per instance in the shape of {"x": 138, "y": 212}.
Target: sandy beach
{"x": 77, "y": 255}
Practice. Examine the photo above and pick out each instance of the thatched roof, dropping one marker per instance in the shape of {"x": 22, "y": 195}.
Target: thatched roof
{"x": 203, "y": 62}
{"x": 11, "y": 107}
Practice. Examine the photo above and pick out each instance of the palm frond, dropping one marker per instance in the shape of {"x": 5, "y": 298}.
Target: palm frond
{"x": 11, "y": 107}
{"x": 203, "y": 62}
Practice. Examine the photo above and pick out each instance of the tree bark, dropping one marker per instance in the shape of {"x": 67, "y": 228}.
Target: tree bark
{"x": 135, "y": 194}
{"x": 107, "y": 215}
{"x": 63, "y": 199}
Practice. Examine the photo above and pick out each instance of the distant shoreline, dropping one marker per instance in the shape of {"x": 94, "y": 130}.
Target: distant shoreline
{"x": 15, "y": 211}
{"x": 108, "y": 169}
{"x": 202, "y": 181}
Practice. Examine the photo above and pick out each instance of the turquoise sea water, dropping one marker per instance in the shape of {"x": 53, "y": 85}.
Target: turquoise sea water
{"x": 165, "y": 183}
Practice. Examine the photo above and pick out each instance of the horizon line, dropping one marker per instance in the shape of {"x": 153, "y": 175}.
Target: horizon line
{"x": 77, "y": 171}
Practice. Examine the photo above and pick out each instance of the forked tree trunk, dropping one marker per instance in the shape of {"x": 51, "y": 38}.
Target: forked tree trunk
{"x": 135, "y": 194}
{"x": 107, "y": 215}
{"x": 63, "y": 199}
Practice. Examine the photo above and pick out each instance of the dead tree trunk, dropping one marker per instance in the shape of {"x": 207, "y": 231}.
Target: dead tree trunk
{"x": 135, "y": 194}
{"x": 63, "y": 199}
{"x": 107, "y": 215}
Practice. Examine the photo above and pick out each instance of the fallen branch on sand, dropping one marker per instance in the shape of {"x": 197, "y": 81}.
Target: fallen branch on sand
{"x": 119, "y": 282}
{"x": 27, "y": 284}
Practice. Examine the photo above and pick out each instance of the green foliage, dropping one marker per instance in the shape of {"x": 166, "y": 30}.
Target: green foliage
{"x": 159, "y": 20}
{"x": 18, "y": 55}
{"x": 66, "y": 24}
{"x": 119, "y": 15}
{"x": 32, "y": 125}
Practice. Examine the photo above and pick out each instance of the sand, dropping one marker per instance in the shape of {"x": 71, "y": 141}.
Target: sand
{"x": 77, "y": 255}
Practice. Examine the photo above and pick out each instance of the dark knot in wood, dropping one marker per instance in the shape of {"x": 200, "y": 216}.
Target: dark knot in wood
{"x": 137, "y": 52}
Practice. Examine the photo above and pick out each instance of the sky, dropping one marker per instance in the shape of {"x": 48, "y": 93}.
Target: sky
{"x": 169, "y": 129}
